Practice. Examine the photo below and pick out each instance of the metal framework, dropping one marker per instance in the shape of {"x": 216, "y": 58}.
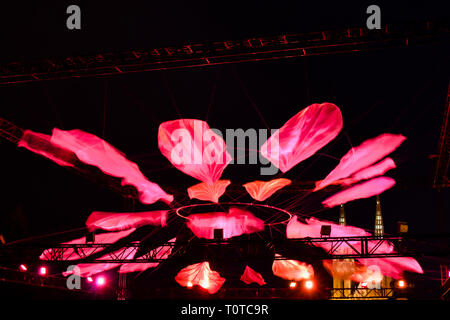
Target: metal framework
{"x": 224, "y": 52}
{"x": 441, "y": 171}
{"x": 337, "y": 248}
{"x": 361, "y": 294}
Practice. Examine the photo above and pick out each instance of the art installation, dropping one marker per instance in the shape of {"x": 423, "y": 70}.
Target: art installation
{"x": 251, "y": 276}
{"x": 262, "y": 190}
{"x": 292, "y": 269}
{"x": 200, "y": 274}
{"x": 207, "y": 192}
{"x": 116, "y": 221}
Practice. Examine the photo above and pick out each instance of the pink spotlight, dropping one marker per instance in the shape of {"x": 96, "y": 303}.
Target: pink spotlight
{"x": 23, "y": 267}
{"x": 42, "y": 271}
{"x": 309, "y": 284}
{"x": 100, "y": 281}
{"x": 89, "y": 279}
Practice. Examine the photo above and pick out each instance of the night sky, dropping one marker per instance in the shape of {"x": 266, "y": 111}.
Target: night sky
{"x": 389, "y": 90}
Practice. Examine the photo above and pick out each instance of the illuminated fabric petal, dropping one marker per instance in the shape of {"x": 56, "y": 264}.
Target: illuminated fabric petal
{"x": 81, "y": 253}
{"x": 41, "y": 144}
{"x": 303, "y": 135}
{"x": 344, "y": 269}
{"x": 393, "y": 267}
{"x": 162, "y": 252}
{"x": 292, "y": 269}
{"x": 369, "y": 152}
{"x": 251, "y": 276}
{"x": 115, "y": 221}
{"x": 363, "y": 190}
{"x": 202, "y": 275}
{"x": 207, "y": 192}
{"x": 89, "y": 269}
{"x": 261, "y": 190}
{"x": 193, "y": 148}
{"x": 368, "y": 274}
{"x": 96, "y": 152}
{"x": 237, "y": 222}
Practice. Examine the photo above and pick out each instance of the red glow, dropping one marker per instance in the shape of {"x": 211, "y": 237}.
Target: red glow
{"x": 207, "y": 192}
{"x": 261, "y": 190}
{"x": 303, "y": 135}
{"x": 449, "y": 274}
{"x": 291, "y": 269}
{"x": 363, "y": 285}
{"x": 292, "y": 284}
{"x": 89, "y": 279}
{"x": 401, "y": 284}
{"x": 23, "y": 267}
{"x": 100, "y": 281}
{"x": 202, "y": 275}
{"x": 42, "y": 271}
{"x": 189, "y": 284}
{"x": 117, "y": 221}
{"x": 309, "y": 284}
{"x": 251, "y": 276}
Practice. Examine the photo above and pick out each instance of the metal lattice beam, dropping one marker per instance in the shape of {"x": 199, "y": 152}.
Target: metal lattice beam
{"x": 225, "y": 52}
{"x": 441, "y": 171}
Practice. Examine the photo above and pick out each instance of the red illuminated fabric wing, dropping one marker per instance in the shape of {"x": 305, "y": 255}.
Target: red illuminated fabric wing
{"x": 303, "y": 135}
{"x": 234, "y": 223}
{"x": 251, "y": 276}
{"x": 262, "y": 190}
{"x": 96, "y": 152}
{"x": 80, "y": 253}
{"x": 363, "y": 190}
{"x": 202, "y": 275}
{"x": 369, "y": 152}
{"x": 292, "y": 269}
{"x": 205, "y": 191}
{"x": 193, "y": 148}
{"x": 162, "y": 252}
{"x": 393, "y": 267}
{"x": 115, "y": 221}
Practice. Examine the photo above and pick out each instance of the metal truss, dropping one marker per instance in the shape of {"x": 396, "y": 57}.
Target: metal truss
{"x": 361, "y": 294}
{"x": 10, "y": 131}
{"x": 225, "y": 52}
{"x": 441, "y": 170}
{"x": 335, "y": 248}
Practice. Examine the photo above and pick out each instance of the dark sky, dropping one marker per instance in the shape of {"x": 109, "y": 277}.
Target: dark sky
{"x": 392, "y": 90}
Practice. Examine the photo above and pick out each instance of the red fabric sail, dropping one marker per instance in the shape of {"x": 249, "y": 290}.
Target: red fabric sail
{"x": 89, "y": 269}
{"x": 393, "y": 267}
{"x": 162, "y": 252}
{"x": 375, "y": 170}
{"x": 41, "y": 144}
{"x": 115, "y": 221}
{"x": 251, "y": 276}
{"x": 366, "y": 189}
{"x": 292, "y": 269}
{"x": 237, "y": 222}
{"x": 96, "y": 152}
{"x": 202, "y": 275}
{"x": 81, "y": 253}
{"x": 207, "y": 192}
{"x": 369, "y": 152}
{"x": 262, "y": 190}
{"x": 303, "y": 135}
{"x": 193, "y": 148}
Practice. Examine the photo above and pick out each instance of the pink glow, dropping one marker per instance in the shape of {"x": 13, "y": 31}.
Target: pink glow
{"x": 193, "y": 148}
{"x": 377, "y": 169}
{"x": 208, "y": 192}
{"x": 23, "y": 267}
{"x": 162, "y": 252}
{"x": 251, "y": 276}
{"x": 261, "y": 190}
{"x": 113, "y": 221}
{"x": 89, "y": 279}
{"x": 96, "y": 152}
{"x": 393, "y": 267}
{"x": 43, "y": 271}
{"x": 235, "y": 223}
{"x": 358, "y": 158}
{"x": 71, "y": 254}
{"x": 366, "y": 189}
{"x": 309, "y": 284}
{"x": 343, "y": 269}
{"x": 292, "y": 269}
{"x": 202, "y": 275}
{"x": 303, "y": 135}
{"x": 100, "y": 281}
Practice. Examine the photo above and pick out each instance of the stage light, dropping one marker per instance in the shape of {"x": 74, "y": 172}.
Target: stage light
{"x": 89, "y": 279}
{"x": 189, "y": 284}
{"x": 448, "y": 274}
{"x": 401, "y": 284}
{"x": 364, "y": 285}
{"x": 293, "y": 284}
{"x": 309, "y": 284}
{"x": 100, "y": 281}
{"x": 42, "y": 271}
{"x": 23, "y": 267}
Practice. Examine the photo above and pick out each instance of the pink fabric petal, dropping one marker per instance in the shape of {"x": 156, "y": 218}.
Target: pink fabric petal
{"x": 237, "y": 222}
{"x": 292, "y": 269}
{"x": 202, "y": 275}
{"x": 369, "y": 152}
{"x": 193, "y": 148}
{"x": 366, "y": 189}
{"x": 262, "y": 190}
{"x": 96, "y": 152}
{"x": 104, "y": 238}
{"x": 303, "y": 135}
{"x": 114, "y": 221}
{"x": 394, "y": 267}
{"x": 251, "y": 276}
{"x": 207, "y": 192}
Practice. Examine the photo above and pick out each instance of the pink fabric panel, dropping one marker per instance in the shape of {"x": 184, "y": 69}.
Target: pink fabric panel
{"x": 262, "y": 190}
{"x": 292, "y": 269}
{"x": 207, "y": 192}
{"x": 202, "y": 275}
{"x": 114, "y": 221}
{"x": 251, "y": 276}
